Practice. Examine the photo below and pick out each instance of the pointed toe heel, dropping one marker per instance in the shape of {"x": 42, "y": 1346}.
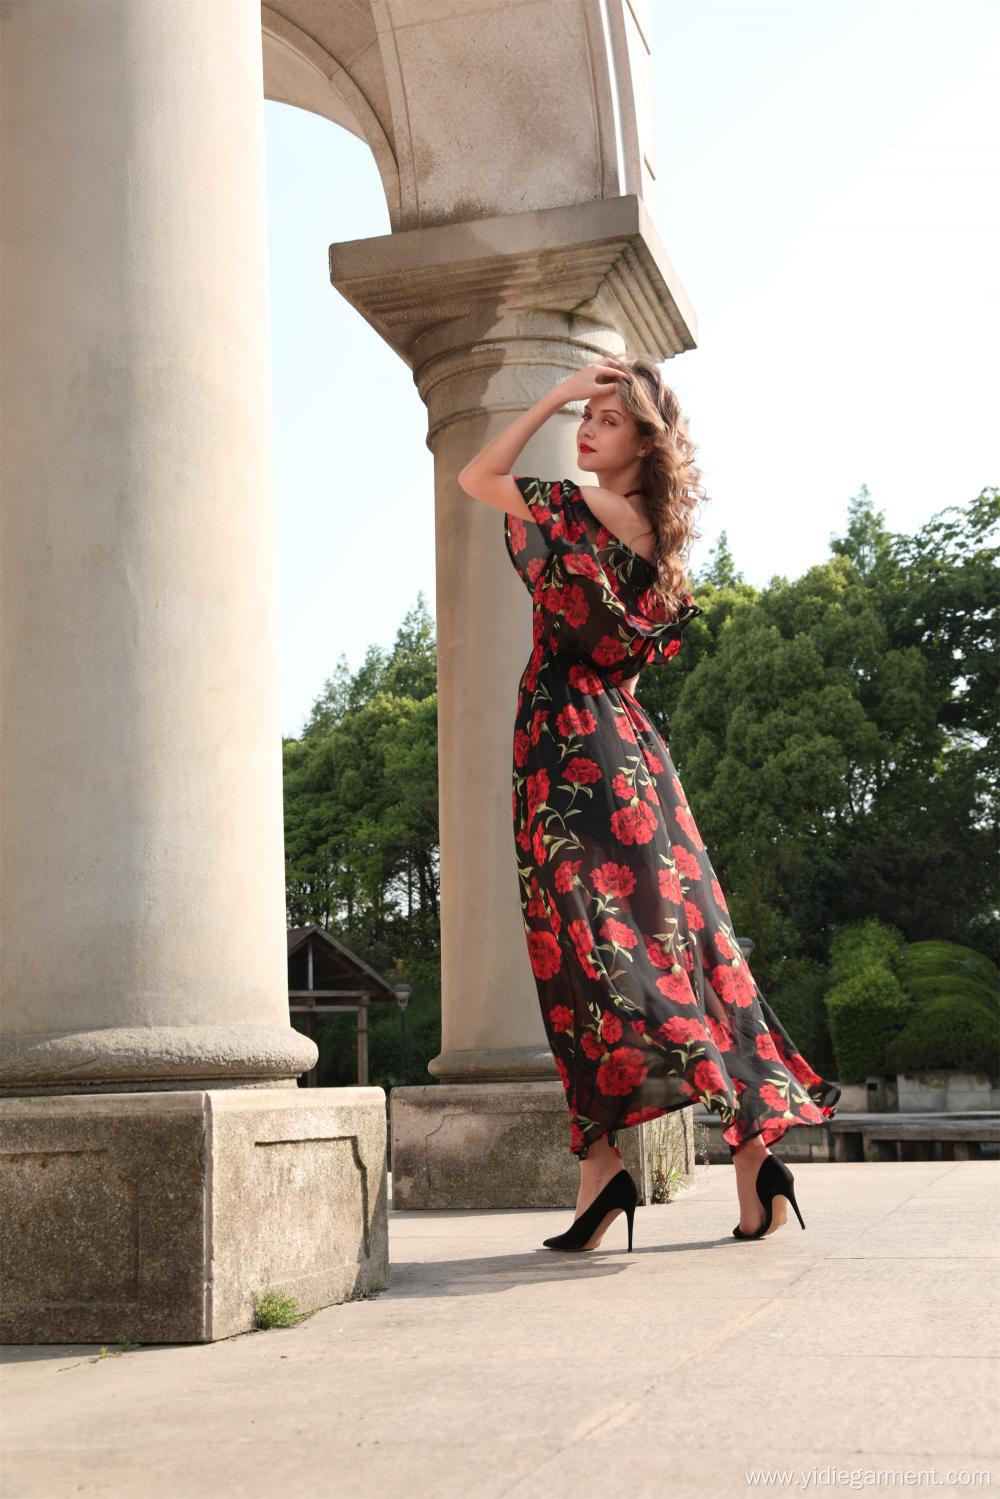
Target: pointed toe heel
{"x": 774, "y": 1181}
{"x": 618, "y": 1195}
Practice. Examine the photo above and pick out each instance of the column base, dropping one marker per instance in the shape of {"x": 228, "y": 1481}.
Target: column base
{"x": 124, "y": 1058}
{"x": 158, "y": 1214}
{"x": 506, "y": 1145}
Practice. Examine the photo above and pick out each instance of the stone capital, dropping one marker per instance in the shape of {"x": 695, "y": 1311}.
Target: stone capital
{"x": 576, "y": 276}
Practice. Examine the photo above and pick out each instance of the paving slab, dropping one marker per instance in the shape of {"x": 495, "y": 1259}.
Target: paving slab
{"x": 861, "y": 1354}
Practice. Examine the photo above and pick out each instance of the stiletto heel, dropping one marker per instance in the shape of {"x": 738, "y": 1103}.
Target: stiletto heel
{"x": 773, "y": 1184}
{"x": 618, "y": 1195}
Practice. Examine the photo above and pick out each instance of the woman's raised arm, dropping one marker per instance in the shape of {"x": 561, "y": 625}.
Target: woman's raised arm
{"x": 487, "y": 476}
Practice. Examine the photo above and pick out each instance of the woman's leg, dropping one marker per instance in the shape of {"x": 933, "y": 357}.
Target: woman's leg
{"x": 747, "y": 1161}
{"x": 602, "y": 1161}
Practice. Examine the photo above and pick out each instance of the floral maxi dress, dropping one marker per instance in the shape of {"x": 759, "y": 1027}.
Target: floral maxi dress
{"x": 648, "y": 1002}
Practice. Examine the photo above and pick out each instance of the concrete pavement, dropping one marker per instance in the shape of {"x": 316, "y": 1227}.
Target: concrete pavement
{"x": 494, "y": 1367}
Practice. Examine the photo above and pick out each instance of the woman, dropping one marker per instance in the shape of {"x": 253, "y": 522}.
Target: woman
{"x": 647, "y": 1000}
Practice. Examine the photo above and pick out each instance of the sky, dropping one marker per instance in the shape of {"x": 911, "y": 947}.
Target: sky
{"x": 828, "y": 191}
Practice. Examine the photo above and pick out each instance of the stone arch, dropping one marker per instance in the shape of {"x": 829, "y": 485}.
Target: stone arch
{"x": 476, "y": 111}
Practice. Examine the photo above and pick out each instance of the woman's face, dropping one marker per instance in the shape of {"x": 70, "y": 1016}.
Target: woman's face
{"x": 610, "y": 434}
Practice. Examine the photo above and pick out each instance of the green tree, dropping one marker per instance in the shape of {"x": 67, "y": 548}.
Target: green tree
{"x": 834, "y": 737}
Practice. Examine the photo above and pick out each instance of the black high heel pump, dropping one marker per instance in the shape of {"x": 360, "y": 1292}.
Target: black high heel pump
{"x": 618, "y": 1195}
{"x": 774, "y": 1186}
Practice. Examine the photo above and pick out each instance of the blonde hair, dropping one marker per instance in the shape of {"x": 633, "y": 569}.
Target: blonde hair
{"x": 670, "y": 479}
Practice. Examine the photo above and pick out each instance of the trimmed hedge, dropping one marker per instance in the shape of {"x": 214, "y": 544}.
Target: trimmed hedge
{"x": 928, "y": 986}
{"x": 865, "y": 1012}
{"x": 948, "y": 966}
{"x": 950, "y": 1030}
{"x": 864, "y": 944}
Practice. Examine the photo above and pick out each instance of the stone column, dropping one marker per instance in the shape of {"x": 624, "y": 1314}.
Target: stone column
{"x": 143, "y": 902}
{"x": 491, "y": 314}
{"x": 143, "y": 868}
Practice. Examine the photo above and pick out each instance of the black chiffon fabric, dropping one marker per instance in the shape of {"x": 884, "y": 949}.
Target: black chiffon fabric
{"x": 648, "y": 1002}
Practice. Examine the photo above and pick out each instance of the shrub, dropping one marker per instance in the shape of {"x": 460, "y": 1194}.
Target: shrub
{"x": 927, "y": 986}
{"x": 928, "y": 968}
{"x": 865, "y": 1012}
{"x": 860, "y": 945}
{"x": 950, "y": 1030}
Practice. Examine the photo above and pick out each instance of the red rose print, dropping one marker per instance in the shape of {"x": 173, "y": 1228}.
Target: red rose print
{"x": 621, "y": 1071}
{"x": 566, "y": 873}
{"x": 720, "y": 1034}
{"x": 561, "y": 1017}
{"x": 613, "y": 879}
{"x": 677, "y": 987}
{"x": 580, "y": 771}
{"x": 683, "y": 1028}
{"x": 653, "y": 762}
{"x": 771, "y": 1096}
{"x": 572, "y": 721}
{"x": 611, "y": 1028}
{"x": 608, "y": 651}
{"x": 585, "y": 679}
{"x": 687, "y": 864}
{"x": 537, "y": 723}
{"x": 717, "y": 895}
{"x": 686, "y": 821}
{"x": 658, "y": 955}
{"x": 618, "y": 933}
{"x": 634, "y": 824}
{"x": 670, "y": 886}
{"x": 708, "y": 1078}
{"x": 695, "y": 919}
{"x": 538, "y": 790}
{"x": 766, "y": 1047}
{"x": 732, "y": 985}
{"x": 591, "y": 1046}
{"x": 573, "y": 603}
{"x": 545, "y": 954}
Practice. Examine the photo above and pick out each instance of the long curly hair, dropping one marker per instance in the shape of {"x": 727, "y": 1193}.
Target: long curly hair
{"x": 670, "y": 479}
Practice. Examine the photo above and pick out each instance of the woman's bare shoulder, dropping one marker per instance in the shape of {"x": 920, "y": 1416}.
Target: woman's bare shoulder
{"x": 621, "y": 517}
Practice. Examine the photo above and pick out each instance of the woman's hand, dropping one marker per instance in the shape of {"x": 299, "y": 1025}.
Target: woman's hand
{"x": 593, "y": 380}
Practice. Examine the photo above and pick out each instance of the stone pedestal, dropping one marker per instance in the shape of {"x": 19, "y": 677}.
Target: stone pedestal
{"x": 159, "y": 1215}
{"x": 505, "y": 1145}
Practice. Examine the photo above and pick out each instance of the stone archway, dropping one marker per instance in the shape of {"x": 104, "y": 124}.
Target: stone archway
{"x": 147, "y": 1054}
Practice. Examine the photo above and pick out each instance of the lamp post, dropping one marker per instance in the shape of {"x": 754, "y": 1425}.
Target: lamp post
{"x": 402, "y": 992}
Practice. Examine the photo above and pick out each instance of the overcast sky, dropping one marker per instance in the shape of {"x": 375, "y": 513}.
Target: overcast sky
{"x": 828, "y": 191}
